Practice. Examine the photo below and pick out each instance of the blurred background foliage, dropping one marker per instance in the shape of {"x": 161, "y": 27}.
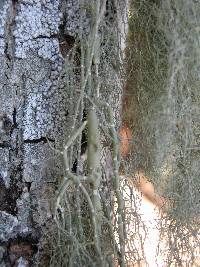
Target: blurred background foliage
{"x": 161, "y": 105}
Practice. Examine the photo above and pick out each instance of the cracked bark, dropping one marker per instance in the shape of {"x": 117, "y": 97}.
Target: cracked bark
{"x": 32, "y": 114}
{"x": 28, "y": 168}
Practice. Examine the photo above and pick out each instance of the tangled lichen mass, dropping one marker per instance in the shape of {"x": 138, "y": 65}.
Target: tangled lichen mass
{"x": 97, "y": 224}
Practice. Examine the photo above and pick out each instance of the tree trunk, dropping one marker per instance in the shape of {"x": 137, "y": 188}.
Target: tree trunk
{"x": 36, "y": 110}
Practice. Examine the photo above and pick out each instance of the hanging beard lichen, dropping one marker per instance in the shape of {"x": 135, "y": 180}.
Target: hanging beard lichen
{"x": 163, "y": 95}
{"x": 162, "y": 106}
{"x": 87, "y": 224}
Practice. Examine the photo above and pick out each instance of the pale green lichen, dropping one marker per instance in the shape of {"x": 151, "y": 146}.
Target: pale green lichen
{"x": 84, "y": 215}
{"x": 164, "y": 90}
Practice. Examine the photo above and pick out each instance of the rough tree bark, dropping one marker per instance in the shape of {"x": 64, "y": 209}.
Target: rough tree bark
{"x": 35, "y": 37}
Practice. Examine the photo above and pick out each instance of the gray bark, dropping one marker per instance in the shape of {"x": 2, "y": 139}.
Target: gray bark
{"x": 33, "y": 107}
{"x": 35, "y": 36}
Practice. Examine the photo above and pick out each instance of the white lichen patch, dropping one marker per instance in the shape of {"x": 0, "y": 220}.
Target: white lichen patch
{"x": 4, "y": 163}
{"x": 48, "y": 48}
{"x": 75, "y": 17}
{"x": 35, "y": 19}
{"x": 8, "y": 226}
{"x": 37, "y": 25}
{"x": 2, "y": 46}
{"x": 4, "y": 5}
